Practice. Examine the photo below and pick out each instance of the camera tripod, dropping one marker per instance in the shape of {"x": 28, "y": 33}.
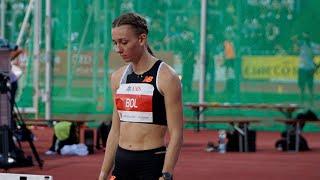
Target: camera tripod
{"x": 10, "y": 155}
{"x": 28, "y": 136}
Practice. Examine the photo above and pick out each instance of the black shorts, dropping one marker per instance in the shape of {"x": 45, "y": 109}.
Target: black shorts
{"x": 139, "y": 165}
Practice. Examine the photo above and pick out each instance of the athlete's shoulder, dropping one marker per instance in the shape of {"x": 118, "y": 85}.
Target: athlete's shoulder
{"x": 167, "y": 71}
{"x": 168, "y": 74}
{"x": 169, "y": 80}
{"x": 116, "y": 76}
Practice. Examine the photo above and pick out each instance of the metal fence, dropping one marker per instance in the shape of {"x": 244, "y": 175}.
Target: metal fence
{"x": 262, "y": 34}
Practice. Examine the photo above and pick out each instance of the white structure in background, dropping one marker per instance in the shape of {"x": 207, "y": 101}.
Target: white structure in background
{"x": 48, "y": 81}
{"x": 36, "y": 5}
{"x": 202, "y": 59}
{"x": 10, "y": 176}
{"x": 2, "y": 17}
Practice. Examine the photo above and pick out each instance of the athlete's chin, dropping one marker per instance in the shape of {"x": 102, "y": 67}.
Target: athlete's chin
{"x": 126, "y": 60}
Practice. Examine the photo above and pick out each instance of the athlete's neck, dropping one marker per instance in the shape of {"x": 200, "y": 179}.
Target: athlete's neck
{"x": 145, "y": 62}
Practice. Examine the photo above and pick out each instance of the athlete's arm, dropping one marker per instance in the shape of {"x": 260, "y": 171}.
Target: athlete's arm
{"x": 113, "y": 138}
{"x": 170, "y": 86}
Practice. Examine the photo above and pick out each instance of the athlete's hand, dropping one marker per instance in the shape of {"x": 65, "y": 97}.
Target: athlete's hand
{"x": 161, "y": 178}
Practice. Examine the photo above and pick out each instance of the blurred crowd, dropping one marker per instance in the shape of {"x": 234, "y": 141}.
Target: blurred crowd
{"x": 256, "y": 26}
{"x": 266, "y": 25}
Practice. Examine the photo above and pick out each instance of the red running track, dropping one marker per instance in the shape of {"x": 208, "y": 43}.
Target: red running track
{"x": 194, "y": 163}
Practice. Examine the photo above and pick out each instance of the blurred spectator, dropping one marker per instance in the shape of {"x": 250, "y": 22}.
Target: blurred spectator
{"x": 64, "y": 134}
{"x": 307, "y": 67}
{"x": 229, "y": 61}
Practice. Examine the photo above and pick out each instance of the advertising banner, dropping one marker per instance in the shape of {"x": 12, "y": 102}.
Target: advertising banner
{"x": 273, "y": 68}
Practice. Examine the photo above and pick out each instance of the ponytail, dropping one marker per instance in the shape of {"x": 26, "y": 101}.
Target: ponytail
{"x": 149, "y": 50}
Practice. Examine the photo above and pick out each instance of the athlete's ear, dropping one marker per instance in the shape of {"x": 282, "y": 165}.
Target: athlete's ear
{"x": 142, "y": 39}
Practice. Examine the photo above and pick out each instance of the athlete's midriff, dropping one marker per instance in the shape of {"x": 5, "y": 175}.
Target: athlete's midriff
{"x": 140, "y": 136}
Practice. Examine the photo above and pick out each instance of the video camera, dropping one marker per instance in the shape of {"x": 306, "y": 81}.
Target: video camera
{"x": 5, "y": 55}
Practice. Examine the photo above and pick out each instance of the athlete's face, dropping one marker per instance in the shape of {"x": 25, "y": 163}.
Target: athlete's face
{"x": 127, "y": 43}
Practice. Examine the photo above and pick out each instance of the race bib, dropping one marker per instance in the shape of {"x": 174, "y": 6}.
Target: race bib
{"x": 134, "y": 102}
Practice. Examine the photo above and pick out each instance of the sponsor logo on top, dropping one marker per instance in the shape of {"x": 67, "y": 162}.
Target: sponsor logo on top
{"x": 148, "y": 79}
{"x": 133, "y": 88}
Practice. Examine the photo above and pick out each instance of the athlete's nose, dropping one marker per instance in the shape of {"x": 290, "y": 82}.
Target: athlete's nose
{"x": 117, "y": 48}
